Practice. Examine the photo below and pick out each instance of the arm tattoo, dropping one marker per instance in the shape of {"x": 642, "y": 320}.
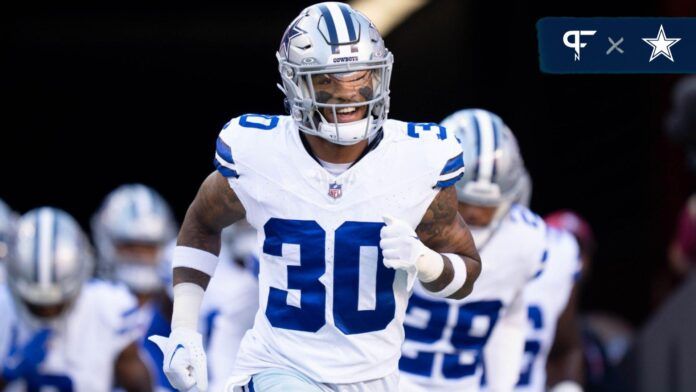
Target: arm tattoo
{"x": 438, "y": 217}
{"x": 215, "y": 207}
{"x": 443, "y": 230}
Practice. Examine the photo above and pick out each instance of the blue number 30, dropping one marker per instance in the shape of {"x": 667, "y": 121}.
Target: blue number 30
{"x": 350, "y": 239}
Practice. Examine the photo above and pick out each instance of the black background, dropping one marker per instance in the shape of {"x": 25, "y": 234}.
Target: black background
{"x": 98, "y": 95}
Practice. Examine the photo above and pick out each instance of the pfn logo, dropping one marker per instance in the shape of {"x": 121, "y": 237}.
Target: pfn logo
{"x": 576, "y": 44}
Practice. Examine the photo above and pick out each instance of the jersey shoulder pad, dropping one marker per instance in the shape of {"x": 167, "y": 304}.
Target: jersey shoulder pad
{"x": 530, "y": 231}
{"x": 242, "y": 138}
{"x": 438, "y": 148}
{"x": 117, "y": 307}
{"x": 564, "y": 252}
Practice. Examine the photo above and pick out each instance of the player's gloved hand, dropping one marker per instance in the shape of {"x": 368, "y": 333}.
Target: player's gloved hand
{"x": 402, "y": 249}
{"x": 22, "y": 363}
{"x": 185, "y": 362}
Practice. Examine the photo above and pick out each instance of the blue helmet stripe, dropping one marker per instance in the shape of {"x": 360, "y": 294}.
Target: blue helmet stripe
{"x": 453, "y": 164}
{"x": 224, "y": 150}
{"x": 54, "y": 240}
{"x": 496, "y": 133}
{"x": 133, "y": 208}
{"x": 477, "y": 130}
{"x": 333, "y": 35}
{"x": 37, "y": 240}
{"x": 349, "y": 21}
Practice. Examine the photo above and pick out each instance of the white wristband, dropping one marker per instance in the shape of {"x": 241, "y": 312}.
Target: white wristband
{"x": 566, "y": 386}
{"x": 197, "y": 259}
{"x": 429, "y": 265}
{"x": 457, "y": 280}
{"x": 187, "y": 305}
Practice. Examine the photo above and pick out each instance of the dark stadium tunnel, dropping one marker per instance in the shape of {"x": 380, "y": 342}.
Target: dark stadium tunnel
{"x": 100, "y": 95}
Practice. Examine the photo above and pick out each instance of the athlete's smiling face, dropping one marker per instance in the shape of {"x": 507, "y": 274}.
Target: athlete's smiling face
{"x": 344, "y": 88}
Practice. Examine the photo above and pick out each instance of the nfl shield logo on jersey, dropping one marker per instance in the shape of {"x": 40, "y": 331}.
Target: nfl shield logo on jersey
{"x": 335, "y": 190}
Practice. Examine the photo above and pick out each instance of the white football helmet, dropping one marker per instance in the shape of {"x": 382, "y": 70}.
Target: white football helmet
{"x": 331, "y": 50}
{"x": 133, "y": 215}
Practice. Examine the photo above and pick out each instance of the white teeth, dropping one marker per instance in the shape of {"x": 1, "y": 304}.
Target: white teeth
{"x": 346, "y": 110}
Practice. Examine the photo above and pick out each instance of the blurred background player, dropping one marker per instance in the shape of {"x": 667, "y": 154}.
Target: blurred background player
{"x": 57, "y": 332}
{"x": 605, "y": 336}
{"x": 7, "y": 220}
{"x": 448, "y": 341}
{"x": 229, "y": 312}
{"x": 231, "y": 301}
{"x": 132, "y": 230}
{"x": 553, "y": 350}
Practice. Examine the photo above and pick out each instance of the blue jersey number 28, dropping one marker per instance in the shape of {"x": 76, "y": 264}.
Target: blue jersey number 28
{"x": 475, "y": 321}
{"x": 356, "y": 254}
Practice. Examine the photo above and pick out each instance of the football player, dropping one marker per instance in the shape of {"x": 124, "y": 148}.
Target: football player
{"x": 553, "y": 344}
{"x": 132, "y": 229}
{"x": 7, "y": 219}
{"x": 566, "y": 367}
{"x": 448, "y": 342}
{"x": 351, "y": 209}
{"x": 58, "y": 332}
{"x": 226, "y": 321}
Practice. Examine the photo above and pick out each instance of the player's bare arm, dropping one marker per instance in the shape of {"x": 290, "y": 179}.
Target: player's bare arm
{"x": 443, "y": 230}
{"x": 131, "y": 373}
{"x": 215, "y": 207}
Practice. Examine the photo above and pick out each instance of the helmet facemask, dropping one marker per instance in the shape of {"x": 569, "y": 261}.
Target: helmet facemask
{"x": 317, "y": 96}
{"x": 137, "y": 264}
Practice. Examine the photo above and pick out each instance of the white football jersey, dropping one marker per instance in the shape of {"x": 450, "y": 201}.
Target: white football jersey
{"x": 546, "y": 299}
{"x": 83, "y": 346}
{"x": 445, "y": 338}
{"x": 230, "y": 304}
{"x": 328, "y": 307}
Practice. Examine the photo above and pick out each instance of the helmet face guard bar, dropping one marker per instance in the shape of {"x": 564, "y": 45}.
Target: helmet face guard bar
{"x": 306, "y": 109}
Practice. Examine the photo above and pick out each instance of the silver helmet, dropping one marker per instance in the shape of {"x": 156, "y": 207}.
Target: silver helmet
{"x": 131, "y": 231}
{"x": 239, "y": 243}
{"x": 524, "y": 197}
{"x": 495, "y": 171}
{"x": 7, "y": 223}
{"x": 50, "y": 259}
{"x": 335, "y": 73}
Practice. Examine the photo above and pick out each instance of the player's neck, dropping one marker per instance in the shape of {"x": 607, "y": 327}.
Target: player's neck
{"x": 335, "y": 153}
